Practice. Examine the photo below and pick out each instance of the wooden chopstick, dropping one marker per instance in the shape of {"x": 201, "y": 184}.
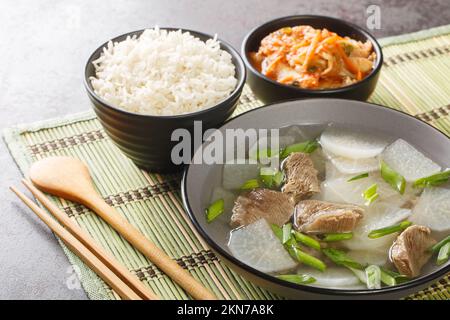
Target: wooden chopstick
{"x": 81, "y": 251}
{"x": 133, "y": 282}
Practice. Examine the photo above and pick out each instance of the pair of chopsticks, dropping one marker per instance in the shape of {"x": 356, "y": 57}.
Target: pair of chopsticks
{"x": 126, "y": 285}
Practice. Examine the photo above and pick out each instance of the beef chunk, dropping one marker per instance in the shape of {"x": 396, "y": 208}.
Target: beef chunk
{"x": 301, "y": 176}
{"x": 276, "y": 207}
{"x": 314, "y": 216}
{"x": 409, "y": 252}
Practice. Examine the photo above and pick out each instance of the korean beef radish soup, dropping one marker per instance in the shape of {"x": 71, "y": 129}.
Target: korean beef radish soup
{"x": 345, "y": 209}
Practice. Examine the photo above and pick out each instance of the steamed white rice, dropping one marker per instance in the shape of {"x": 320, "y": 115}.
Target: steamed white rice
{"x": 164, "y": 73}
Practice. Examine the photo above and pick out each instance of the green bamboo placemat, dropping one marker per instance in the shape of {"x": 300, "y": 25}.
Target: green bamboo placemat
{"x": 414, "y": 79}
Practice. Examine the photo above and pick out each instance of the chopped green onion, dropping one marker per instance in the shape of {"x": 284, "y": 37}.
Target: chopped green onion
{"x": 396, "y": 180}
{"x": 297, "y": 278}
{"x": 371, "y": 199}
{"x": 433, "y": 180}
{"x": 265, "y": 153}
{"x": 278, "y": 178}
{"x": 440, "y": 244}
{"x": 214, "y": 210}
{"x": 292, "y": 249}
{"x": 361, "y": 275}
{"x": 285, "y": 235}
{"x": 370, "y": 191}
{"x": 250, "y": 184}
{"x": 332, "y": 237}
{"x": 291, "y": 242}
{"x": 387, "y": 279}
{"x": 287, "y": 232}
{"x": 360, "y": 176}
{"x": 444, "y": 254}
{"x": 341, "y": 259}
{"x": 266, "y": 176}
{"x": 370, "y": 194}
{"x": 277, "y": 231}
{"x": 373, "y": 276}
{"x": 269, "y": 176}
{"x": 374, "y": 234}
{"x": 305, "y": 147}
{"x": 391, "y": 278}
{"x": 306, "y": 258}
{"x": 306, "y": 240}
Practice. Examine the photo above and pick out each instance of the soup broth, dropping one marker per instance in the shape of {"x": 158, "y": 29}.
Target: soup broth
{"x": 346, "y": 209}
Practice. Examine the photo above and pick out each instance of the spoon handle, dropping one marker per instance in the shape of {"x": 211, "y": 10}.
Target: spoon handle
{"x": 148, "y": 248}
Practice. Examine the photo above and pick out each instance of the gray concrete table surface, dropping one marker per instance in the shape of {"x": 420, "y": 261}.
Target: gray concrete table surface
{"x": 44, "y": 45}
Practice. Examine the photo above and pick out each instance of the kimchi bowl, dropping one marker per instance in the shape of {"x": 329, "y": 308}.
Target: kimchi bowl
{"x": 272, "y": 88}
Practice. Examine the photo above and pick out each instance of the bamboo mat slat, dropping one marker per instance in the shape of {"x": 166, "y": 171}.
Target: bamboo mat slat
{"x": 414, "y": 78}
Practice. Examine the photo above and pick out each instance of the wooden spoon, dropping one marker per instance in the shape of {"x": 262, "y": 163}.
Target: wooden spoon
{"x": 69, "y": 178}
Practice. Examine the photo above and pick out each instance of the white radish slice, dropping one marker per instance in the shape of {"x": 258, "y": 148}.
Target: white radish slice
{"x": 301, "y": 133}
{"x": 333, "y": 277}
{"x": 329, "y": 192}
{"x": 376, "y": 257}
{"x": 354, "y": 166}
{"x": 352, "y": 144}
{"x": 361, "y": 241}
{"x": 407, "y": 200}
{"x": 408, "y": 161}
{"x": 377, "y": 216}
{"x": 433, "y": 209}
{"x": 331, "y": 172}
{"x": 257, "y": 246}
{"x": 235, "y": 174}
{"x": 294, "y": 132}
{"x": 342, "y": 190}
{"x": 383, "y": 214}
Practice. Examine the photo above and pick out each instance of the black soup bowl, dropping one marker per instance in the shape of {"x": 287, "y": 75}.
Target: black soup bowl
{"x": 199, "y": 181}
{"x": 146, "y": 139}
{"x": 268, "y": 90}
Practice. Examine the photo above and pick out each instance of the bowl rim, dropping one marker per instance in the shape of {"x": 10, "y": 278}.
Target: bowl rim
{"x": 240, "y": 65}
{"x": 299, "y": 287}
{"x": 356, "y": 85}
